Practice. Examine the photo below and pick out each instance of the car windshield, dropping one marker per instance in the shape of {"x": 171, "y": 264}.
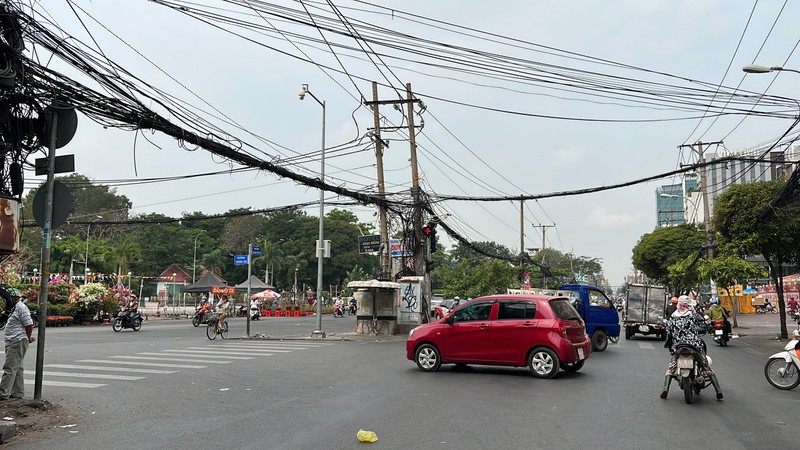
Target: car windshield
{"x": 563, "y": 310}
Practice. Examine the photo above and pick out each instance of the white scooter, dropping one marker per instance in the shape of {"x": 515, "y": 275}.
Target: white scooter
{"x": 783, "y": 368}
{"x": 255, "y": 314}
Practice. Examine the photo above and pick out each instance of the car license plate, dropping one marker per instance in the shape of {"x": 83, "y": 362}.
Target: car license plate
{"x": 718, "y": 332}
{"x": 685, "y": 363}
{"x": 644, "y": 328}
{"x": 580, "y": 354}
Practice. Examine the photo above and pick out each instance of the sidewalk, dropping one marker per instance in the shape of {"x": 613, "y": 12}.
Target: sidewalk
{"x": 764, "y": 326}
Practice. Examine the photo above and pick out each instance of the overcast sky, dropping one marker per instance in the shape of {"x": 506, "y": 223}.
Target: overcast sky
{"x": 489, "y": 129}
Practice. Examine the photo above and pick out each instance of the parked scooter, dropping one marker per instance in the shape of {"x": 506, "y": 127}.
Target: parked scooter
{"x": 783, "y": 368}
{"x": 689, "y": 373}
{"x": 127, "y": 319}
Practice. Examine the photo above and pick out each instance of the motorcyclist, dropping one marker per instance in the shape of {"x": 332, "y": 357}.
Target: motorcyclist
{"x": 684, "y": 326}
{"x": 673, "y": 305}
{"x": 717, "y": 312}
{"x": 352, "y": 305}
{"x": 255, "y": 311}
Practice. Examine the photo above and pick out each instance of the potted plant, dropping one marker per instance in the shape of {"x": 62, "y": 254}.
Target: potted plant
{"x": 87, "y": 299}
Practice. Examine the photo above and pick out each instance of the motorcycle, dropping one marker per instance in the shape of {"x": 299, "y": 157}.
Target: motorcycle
{"x": 720, "y": 330}
{"x": 337, "y": 311}
{"x": 127, "y": 319}
{"x": 199, "y": 316}
{"x": 794, "y": 315}
{"x": 351, "y": 310}
{"x": 767, "y": 307}
{"x": 783, "y": 368}
{"x": 689, "y": 373}
{"x": 255, "y": 314}
{"x": 242, "y": 311}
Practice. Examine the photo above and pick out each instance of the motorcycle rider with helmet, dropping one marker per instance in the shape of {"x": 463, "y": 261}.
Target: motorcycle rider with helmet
{"x": 717, "y": 312}
{"x": 684, "y": 326}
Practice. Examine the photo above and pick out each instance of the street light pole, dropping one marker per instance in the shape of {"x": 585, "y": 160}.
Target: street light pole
{"x": 320, "y": 242}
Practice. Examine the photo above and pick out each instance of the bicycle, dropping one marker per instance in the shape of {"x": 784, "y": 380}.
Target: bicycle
{"x": 214, "y": 328}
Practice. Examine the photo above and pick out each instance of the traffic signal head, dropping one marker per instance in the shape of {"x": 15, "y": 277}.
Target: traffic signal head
{"x": 428, "y": 230}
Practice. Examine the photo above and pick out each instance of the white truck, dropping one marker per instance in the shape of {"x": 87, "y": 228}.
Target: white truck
{"x": 644, "y": 310}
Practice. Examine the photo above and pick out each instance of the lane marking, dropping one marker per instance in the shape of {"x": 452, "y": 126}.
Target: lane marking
{"x": 646, "y": 345}
{"x": 257, "y": 350}
{"x": 228, "y": 352}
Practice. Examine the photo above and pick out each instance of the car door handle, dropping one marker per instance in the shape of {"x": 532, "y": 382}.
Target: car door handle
{"x": 527, "y": 324}
{"x": 483, "y": 325}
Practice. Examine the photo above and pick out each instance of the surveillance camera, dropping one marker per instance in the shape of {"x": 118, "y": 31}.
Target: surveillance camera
{"x": 302, "y": 94}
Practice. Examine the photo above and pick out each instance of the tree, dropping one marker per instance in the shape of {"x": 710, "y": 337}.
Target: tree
{"x": 742, "y": 234}
{"x": 656, "y": 251}
{"x": 728, "y": 271}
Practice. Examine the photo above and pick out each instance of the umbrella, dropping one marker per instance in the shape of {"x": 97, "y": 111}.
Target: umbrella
{"x": 750, "y": 291}
{"x": 268, "y": 293}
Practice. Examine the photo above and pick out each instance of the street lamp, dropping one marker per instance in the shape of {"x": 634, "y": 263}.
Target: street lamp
{"x": 320, "y": 243}
{"x": 129, "y": 282}
{"x": 174, "y": 296}
{"x": 755, "y": 68}
{"x": 194, "y": 260}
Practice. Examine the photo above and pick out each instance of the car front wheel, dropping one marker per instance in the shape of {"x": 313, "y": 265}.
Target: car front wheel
{"x": 428, "y": 358}
{"x": 543, "y": 363}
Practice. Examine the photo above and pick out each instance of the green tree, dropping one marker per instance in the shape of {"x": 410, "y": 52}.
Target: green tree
{"x": 728, "y": 271}
{"x": 656, "y": 251}
{"x": 742, "y": 234}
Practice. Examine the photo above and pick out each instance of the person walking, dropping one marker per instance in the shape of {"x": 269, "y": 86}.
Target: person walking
{"x": 17, "y": 336}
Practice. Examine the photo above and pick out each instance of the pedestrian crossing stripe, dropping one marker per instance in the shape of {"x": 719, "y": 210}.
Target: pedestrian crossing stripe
{"x": 250, "y": 351}
{"x": 176, "y": 366}
{"x": 228, "y": 352}
{"x": 201, "y": 353}
{"x": 258, "y": 346}
{"x": 100, "y": 376}
{"x": 152, "y": 358}
{"x": 67, "y": 384}
{"x": 111, "y": 369}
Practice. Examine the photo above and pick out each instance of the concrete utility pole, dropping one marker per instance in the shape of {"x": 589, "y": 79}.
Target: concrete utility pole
{"x": 420, "y": 251}
{"x": 521, "y": 242}
{"x": 544, "y": 246}
{"x": 704, "y": 186}
{"x": 385, "y": 254}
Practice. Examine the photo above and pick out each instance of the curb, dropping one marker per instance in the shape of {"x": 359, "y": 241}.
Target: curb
{"x": 7, "y": 431}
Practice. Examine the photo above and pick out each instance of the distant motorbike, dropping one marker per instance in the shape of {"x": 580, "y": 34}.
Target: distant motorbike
{"x": 794, "y": 315}
{"x": 720, "y": 330}
{"x": 783, "y": 368}
{"x": 255, "y": 314}
{"x": 127, "y": 319}
{"x": 242, "y": 312}
{"x": 199, "y": 316}
{"x": 767, "y": 307}
{"x": 689, "y": 373}
{"x": 351, "y": 310}
{"x": 337, "y": 311}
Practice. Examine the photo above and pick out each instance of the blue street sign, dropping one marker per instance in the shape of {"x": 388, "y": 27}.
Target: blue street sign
{"x": 239, "y": 260}
{"x": 256, "y": 250}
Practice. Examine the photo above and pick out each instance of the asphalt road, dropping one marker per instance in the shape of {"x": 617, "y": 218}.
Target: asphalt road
{"x": 183, "y": 391}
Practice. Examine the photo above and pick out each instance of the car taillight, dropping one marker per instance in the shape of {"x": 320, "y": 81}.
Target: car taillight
{"x": 561, "y": 328}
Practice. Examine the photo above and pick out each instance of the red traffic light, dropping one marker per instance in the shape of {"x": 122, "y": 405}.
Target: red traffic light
{"x": 428, "y": 230}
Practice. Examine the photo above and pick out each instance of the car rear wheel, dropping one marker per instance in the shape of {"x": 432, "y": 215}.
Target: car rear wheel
{"x": 599, "y": 341}
{"x": 543, "y": 363}
{"x": 428, "y": 358}
{"x": 573, "y": 367}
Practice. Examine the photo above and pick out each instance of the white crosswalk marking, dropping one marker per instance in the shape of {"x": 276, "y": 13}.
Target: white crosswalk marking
{"x": 222, "y": 351}
{"x": 111, "y": 369}
{"x": 200, "y": 353}
{"x": 257, "y": 346}
{"x": 152, "y": 358}
{"x": 176, "y": 366}
{"x": 67, "y": 384}
{"x": 256, "y": 351}
{"x": 99, "y": 376}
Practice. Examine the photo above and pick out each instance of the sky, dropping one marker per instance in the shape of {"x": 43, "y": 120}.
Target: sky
{"x": 507, "y": 110}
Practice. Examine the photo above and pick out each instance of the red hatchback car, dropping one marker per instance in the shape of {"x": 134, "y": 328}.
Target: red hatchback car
{"x": 542, "y": 332}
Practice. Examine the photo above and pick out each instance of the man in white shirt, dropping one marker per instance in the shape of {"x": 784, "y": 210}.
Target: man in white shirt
{"x": 17, "y": 336}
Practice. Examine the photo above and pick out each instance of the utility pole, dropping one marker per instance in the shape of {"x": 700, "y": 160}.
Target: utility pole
{"x": 385, "y": 254}
{"x": 419, "y": 250}
{"x": 704, "y": 185}
{"x": 544, "y": 246}
{"x": 521, "y": 242}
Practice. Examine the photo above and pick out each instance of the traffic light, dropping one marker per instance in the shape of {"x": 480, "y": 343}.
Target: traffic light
{"x": 429, "y": 265}
{"x": 429, "y": 231}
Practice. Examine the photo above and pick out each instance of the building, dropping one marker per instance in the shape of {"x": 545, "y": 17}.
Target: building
{"x": 683, "y": 203}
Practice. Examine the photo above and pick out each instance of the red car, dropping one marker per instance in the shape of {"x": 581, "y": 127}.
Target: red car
{"x": 541, "y": 332}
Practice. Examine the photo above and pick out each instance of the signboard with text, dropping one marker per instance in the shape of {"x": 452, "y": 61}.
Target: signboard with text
{"x": 398, "y": 248}
{"x": 223, "y": 290}
{"x": 369, "y": 244}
